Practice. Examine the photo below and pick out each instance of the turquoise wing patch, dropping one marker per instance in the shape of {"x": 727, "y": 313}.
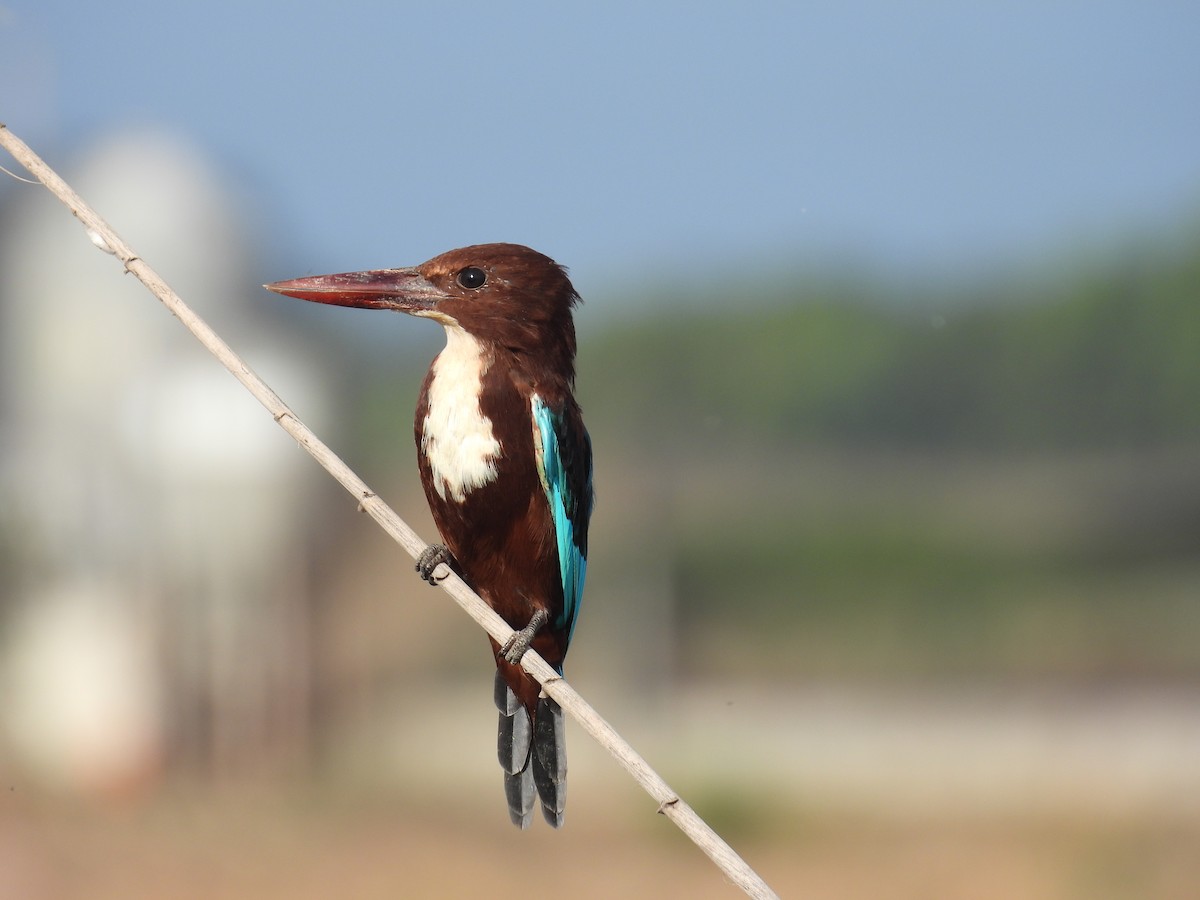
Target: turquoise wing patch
{"x": 564, "y": 504}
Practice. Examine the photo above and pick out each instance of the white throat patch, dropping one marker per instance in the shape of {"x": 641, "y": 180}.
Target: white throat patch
{"x": 456, "y": 437}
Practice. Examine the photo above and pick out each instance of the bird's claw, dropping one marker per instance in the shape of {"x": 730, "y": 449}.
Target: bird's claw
{"x": 432, "y": 557}
{"x": 516, "y": 646}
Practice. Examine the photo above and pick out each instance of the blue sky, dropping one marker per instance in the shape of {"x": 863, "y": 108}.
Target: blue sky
{"x": 635, "y": 140}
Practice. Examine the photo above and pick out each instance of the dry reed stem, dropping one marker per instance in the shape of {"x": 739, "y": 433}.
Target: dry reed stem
{"x": 669, "y": 803}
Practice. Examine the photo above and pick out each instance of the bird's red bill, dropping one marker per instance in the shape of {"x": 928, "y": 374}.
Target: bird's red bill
{"x": 400, "y": 289}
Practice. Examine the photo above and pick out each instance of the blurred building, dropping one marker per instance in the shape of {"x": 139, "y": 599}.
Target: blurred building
{"x": 156, "y": 605}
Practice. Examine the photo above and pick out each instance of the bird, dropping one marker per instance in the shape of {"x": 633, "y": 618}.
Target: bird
{"x": 506, "y": 465}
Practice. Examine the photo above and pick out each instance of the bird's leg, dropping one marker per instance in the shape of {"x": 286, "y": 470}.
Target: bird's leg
{"x": 432, "y": 557}
{"x": 514, "y": 648}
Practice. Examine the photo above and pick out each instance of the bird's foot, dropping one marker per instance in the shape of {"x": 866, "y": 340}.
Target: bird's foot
{"x": 432, "y": 557}
{"x": 514, "y": 648}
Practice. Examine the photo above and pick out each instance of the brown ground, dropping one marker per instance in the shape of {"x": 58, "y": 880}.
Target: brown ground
{"x": 265, "y": 845}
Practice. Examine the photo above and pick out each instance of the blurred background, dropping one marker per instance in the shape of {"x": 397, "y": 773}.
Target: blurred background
{"x": 890, "y": 356}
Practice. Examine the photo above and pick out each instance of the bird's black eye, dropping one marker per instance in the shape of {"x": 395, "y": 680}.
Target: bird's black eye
{"x": 472, "y": 277}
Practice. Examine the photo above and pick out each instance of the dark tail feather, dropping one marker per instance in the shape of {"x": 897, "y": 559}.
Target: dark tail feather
{"x": 518, "y": 790}
{"x": 549, "y": 763}
{"x": 512, "y": 747}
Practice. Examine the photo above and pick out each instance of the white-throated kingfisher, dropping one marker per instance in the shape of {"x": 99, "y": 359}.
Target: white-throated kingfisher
{"x": 506, "y": 465}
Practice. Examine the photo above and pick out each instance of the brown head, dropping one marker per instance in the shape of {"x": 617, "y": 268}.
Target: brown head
{"x": 503, "y": 294}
